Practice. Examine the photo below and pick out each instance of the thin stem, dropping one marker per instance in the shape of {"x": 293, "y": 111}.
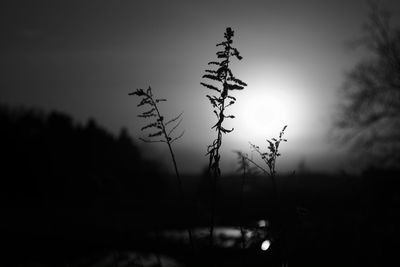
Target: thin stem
{"x": 222, "y": 75}
{"x": 242, "y": 203}
{"x": 255, "y": 164}
{"x": 180, "y": 185}
{"x": 216, "y": 170}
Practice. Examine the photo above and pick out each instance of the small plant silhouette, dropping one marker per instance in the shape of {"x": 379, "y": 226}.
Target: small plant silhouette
{"x": 159, "y": 127}
{"x": 163, "y": 132}
{"x": 227, "y": 82}
{"x": 271, "y": 156}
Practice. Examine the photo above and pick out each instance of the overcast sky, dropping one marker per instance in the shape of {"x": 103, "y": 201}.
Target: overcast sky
{"x": 84, "y": 57}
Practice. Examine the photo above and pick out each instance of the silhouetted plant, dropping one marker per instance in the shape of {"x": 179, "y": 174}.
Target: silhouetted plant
{"x": 159, "y": 127}
{"x": 269, "y": 158}
{"x": 224, "y": 82}
{"x": 273, "y": 153}
{"x": 162, "y": 132}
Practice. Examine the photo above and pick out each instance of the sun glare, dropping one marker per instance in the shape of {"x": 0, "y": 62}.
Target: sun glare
{"x": 267, "y": 107}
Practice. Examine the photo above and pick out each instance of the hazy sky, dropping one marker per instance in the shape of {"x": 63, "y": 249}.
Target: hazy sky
{"x": 84, "y": 57}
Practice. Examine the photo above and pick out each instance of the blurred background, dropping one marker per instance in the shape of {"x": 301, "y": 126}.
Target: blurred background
{"x": 80, "y": 189}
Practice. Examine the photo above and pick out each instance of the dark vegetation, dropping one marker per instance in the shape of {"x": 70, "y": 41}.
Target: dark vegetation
{"x": 73, "y": 194}
{"x": 66, "y": 181}
{"x": 368, "y": 119}
{"x": 163, "y": 132}
{"x": 221, "y": 80}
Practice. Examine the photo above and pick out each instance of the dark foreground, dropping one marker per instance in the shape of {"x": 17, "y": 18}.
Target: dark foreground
{"x": 76, "y": 195}
{"x": 326, "y": 221}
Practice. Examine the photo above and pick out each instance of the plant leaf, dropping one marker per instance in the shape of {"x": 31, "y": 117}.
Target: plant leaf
{"x": 235, "y": 87}
{"x": 209, "y": 86}
{"x": 238, "y": 81}
{"x": 155, "y": 134}
{"x": 212, "y": 77}
{"x": 154, "y": 124}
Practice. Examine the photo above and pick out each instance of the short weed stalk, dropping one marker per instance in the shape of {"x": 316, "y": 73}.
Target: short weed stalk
{"x": 160, "y": 134}
{"x": 226, "y": 82}
{"x": 270, "y": 158}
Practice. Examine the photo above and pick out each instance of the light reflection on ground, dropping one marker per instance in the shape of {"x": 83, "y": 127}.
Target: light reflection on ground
{"x": 265, "y": 245}
{"x": 224, "y": 236}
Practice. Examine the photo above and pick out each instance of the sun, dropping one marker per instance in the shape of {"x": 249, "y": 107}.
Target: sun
{"x": 267, "y": 106}
{"x": 262, "y": 112}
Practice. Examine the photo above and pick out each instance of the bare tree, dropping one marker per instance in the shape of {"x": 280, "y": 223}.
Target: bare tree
{"x": 369, "y": 115}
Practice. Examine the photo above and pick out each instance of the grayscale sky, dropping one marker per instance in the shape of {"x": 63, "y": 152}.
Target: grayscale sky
{"x": 84, "y": 57}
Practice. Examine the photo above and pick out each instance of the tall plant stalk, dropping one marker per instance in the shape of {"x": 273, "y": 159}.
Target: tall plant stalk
{"x": 223, "y": 82}
{"x": 164, "y": 135}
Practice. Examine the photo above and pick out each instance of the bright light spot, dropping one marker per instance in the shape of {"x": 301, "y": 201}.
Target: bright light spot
{"x": 249, "y": 234}
{"x": 265, "y": 245}
{"x": 228, "y": 232}
{"x": 269, "y": 104}
{"x": 262, "y": 223}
